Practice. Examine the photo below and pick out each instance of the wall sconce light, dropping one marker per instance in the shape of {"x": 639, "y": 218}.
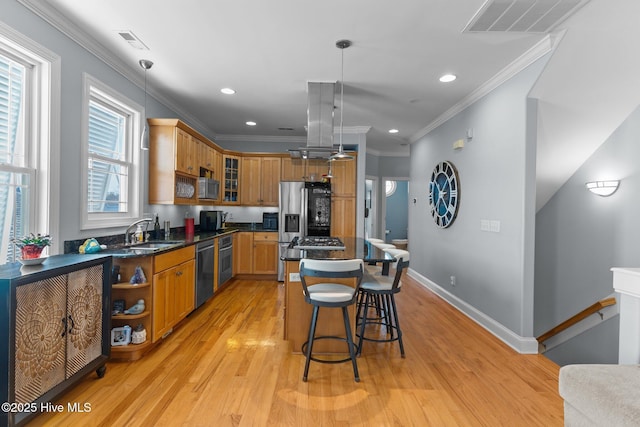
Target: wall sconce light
{"x": 602, "y": 188}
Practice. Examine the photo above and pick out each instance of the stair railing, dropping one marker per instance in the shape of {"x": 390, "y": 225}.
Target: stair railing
{"x": 592, "y": 309}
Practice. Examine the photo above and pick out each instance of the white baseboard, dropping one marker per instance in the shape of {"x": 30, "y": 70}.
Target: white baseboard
{"x": 523, "y": 345}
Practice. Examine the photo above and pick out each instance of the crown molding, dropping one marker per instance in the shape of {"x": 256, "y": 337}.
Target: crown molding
{"x": 395, "y": 153}
{"x": 89, "y": 43}
{"x": 536, "y": 52}
{"x": 349, "y": 130}
{"x": 262, "y": 138}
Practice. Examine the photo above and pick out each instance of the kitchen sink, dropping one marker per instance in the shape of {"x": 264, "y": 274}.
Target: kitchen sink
{"x": 143, "y": 248}
{"x": 154, "y": 246}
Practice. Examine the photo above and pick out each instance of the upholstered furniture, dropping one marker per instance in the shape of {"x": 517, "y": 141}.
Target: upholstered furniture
{"x": 600, "y": 395}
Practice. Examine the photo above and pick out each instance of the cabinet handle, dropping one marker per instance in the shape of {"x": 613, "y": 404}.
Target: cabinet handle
{"x": 73, "y": 324}
{"x": 178, "y": 273}
{"x": 64, "y": 323}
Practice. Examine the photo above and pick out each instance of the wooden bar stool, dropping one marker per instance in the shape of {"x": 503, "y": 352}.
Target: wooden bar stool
{"x": 378, "y": 291}
{"x": 329, "y": 293}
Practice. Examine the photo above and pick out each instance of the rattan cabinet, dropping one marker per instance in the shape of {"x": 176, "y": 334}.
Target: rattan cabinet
{"x": 56, "y": 325}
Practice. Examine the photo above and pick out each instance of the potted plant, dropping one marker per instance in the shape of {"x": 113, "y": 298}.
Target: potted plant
{"x": 32, "y": 245}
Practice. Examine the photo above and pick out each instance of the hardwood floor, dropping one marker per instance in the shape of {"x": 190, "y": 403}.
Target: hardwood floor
{"x": 228, "y": 365}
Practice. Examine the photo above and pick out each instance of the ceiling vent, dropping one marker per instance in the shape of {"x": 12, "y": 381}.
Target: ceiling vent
{"x": 527, "y": 16}
{"x": 132, "y": 39}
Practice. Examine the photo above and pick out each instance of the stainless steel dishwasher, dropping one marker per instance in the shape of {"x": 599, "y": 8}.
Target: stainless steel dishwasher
{"x": 204, "y": 271}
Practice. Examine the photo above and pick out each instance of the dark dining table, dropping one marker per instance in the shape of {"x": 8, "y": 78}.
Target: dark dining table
{"x": 355, "y": 248}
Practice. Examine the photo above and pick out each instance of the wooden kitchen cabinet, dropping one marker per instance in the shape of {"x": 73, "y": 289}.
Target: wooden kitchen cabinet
{"x": 257, "y": 252}
{"x": 243, "y": 252}
{"x": 343, "y": 198}
{"x": 250, "y": 186}
{"x": 343, "y": 183}
{"x": 187, "y": 150}
{"x": 316, "y": 168}
{"x": 175, "y": 158}
{"x": 259, "y": 182}
{"x": 343, "y": 216}
{"x": 292, "y": 169}
{"x": 55, "y": 329}
{"x": 211, "y": 160}
{"x": 173, "y": 289}
{"x": 265, "y": 253}
{"x": 303, "y": 170}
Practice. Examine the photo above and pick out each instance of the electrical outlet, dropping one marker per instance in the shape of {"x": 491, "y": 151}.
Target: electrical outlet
{"x": 294, "y": 277}
{"x": 453, "y": 280}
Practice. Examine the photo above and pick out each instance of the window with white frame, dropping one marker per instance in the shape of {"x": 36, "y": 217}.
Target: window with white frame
{"x": 111, "y": 161}
{"x": 28, "y": 74}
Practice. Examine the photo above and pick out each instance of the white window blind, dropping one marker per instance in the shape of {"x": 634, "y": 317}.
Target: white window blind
{"x": 16, "y": 175}
{"x": 111, "y": 162}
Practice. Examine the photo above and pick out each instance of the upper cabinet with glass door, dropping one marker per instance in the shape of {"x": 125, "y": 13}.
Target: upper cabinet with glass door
{"x": 231, "y": 182}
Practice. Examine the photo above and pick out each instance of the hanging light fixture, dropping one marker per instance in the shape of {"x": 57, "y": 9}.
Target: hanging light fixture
{"x": 329, "y": 173}
{"x": 144, "y": 137}
{"x": 341, "y": 155}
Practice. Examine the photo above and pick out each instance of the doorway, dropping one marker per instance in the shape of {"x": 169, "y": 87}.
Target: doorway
{"x": 396, "y": 208}
{"x": 370, "y": 204}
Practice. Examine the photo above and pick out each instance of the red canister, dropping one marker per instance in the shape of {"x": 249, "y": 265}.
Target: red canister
{"x": 188, "y": 227}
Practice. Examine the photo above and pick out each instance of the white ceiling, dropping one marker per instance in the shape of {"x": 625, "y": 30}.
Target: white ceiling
{"x": 268, "y": 50}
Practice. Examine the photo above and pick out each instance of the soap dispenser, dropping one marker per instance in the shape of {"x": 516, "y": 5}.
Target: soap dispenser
{"x": 139, "y": 234}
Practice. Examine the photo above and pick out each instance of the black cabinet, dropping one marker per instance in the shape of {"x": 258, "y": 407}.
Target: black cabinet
{"x": 55, "y": 318}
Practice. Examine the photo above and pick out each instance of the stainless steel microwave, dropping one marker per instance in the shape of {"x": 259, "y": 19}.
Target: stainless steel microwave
{"x": 208, "y": 189}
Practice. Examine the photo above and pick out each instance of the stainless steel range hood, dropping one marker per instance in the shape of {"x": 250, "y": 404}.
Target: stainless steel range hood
{"x": 320, "y": 106}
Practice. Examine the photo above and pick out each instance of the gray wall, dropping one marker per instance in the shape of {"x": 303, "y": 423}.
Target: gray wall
{"x": 75, "y": 60}
{"x": 495, "y": 171}
{"x": 580, "y": 236}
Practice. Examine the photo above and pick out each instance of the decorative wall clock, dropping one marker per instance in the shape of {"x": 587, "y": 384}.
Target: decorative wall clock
{"x": 444, "y": 194}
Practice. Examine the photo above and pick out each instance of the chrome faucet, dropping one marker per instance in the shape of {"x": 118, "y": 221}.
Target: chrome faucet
{"x": 130, "y": 239}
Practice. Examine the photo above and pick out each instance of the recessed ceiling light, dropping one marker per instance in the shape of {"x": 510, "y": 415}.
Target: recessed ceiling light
{"x": 227, "y": 91}
{"x": 250, "y": 123}
{"x": 393, "y": 131}
{"x": 448, "y": 78}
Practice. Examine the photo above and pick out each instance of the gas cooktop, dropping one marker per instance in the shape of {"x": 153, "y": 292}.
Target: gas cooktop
{"x": 319, "y": 243}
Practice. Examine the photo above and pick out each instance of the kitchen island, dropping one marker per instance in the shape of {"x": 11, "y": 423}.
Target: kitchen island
{"x": 297, "y": 313}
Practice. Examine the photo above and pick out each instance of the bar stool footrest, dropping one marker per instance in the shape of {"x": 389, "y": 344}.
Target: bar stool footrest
{"x": 394, "y": 337}
{"x": 328, "y": 337}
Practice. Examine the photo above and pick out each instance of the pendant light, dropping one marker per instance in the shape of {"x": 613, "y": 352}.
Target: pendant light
{"x": 341, "y": 155}
{"x": 144, "y": 137}
{"x": 329, "y": 174}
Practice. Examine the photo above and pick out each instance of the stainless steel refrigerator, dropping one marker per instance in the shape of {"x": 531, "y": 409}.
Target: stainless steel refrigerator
{"x": 304, "y": 210}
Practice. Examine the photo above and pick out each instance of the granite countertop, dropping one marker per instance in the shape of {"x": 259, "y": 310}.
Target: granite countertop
{"x": 249, "y": 226}
{"x": 177, "y": 239}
